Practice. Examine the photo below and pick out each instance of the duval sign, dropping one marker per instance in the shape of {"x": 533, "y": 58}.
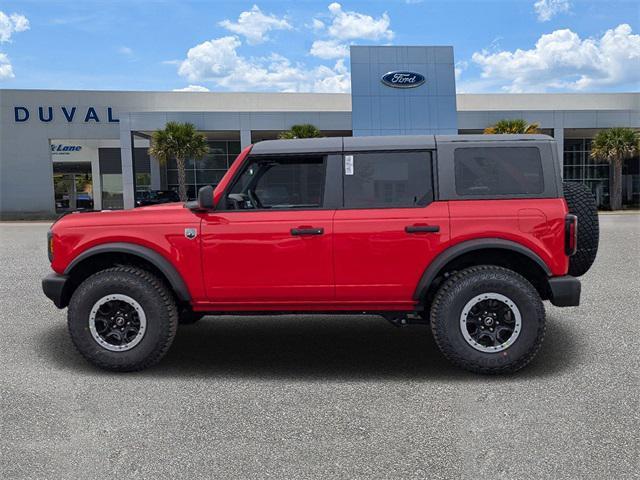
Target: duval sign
{"x": 66, "y": 113}
{"x": 403, "y": 79}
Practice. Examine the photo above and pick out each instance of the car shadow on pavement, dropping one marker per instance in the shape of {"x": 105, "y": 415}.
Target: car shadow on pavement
{"x": 314, "y": 348}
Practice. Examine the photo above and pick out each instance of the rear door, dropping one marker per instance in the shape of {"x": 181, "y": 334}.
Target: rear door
{"x": 270, "y": 242}
{"x": 389, "y": 228}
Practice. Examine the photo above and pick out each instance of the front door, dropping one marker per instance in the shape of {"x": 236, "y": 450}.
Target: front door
{"x": 389, "y": 229}
{"x": 269, "y": 242}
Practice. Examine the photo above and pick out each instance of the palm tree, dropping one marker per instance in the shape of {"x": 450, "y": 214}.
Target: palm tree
{"x": 614, "y": 146}
{"x": 513, "y": 126}
{"x": 180, "y": 141}
{"x": 304, "y": 130}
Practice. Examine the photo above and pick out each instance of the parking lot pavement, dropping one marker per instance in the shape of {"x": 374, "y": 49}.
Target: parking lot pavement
{"x": 316, "y": 397}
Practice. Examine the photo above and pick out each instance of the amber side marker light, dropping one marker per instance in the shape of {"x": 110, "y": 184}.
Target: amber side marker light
{"x": 50, "y": 245}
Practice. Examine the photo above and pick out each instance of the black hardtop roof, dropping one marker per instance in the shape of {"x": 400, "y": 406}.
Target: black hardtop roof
{"x": 298, "y": 145}
{"x": 392, "y": 142}
{"x": 519, "y": 137}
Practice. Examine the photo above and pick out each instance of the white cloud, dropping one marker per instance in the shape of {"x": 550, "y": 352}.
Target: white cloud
{"x": 329, "y": 49}
{"x": 192, "y": 88}
{"x": 317, "y": 25}
{"x": 332, "y": 80}
{"x": 254, "y": 25}
{"x": 218, "y": 61}
{"x": 346, "y": 25}
{"x": 6, "y": 70}
{"x": 210, "y": 59}
{"x": 460, "y": 67}
{"x": 547, "y": 9}
{"x": 561, "y": 60}
{"x": 10, "y": 24}
{"x": 125, "y": 51}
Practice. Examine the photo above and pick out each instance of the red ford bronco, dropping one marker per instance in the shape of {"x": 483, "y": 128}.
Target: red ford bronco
{"x": 468, "y": 234}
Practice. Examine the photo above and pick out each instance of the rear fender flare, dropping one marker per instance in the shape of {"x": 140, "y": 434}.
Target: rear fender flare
{"x": 460, "y": 249}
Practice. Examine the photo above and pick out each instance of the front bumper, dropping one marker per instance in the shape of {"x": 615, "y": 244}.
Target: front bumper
{"x": 565, "y": 291}
{"x": 56, "y": 287}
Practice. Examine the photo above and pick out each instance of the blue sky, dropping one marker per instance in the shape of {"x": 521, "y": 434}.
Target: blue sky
{"x": 500, "y": 46}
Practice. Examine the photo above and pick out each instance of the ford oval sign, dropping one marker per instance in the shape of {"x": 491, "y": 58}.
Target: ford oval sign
{"x": 401, "y": 79}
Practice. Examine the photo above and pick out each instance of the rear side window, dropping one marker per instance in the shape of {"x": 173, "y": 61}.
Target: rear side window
{"x": 498, "y": 171}
{"x": 387, "y": 179}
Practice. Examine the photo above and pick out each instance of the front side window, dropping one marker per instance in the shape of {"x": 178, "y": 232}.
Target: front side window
{"x": 279, "y": 183}
{"x": 387, "y": 179}
{"x": 498, "y": 171}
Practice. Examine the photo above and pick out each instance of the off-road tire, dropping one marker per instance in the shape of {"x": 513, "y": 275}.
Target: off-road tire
{"x": 466, "y": 284}
{"x": 152, "y": 295}
{"x": 186, "y": 316}
{"x": 582, "y": 204}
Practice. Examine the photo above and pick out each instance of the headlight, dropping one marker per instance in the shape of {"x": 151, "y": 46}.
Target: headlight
{"x": 50, "y": 245}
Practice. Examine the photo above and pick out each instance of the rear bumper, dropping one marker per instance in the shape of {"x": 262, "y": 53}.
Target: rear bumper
{"x": 54, "y": 287}
{"x": 565, "y": 291}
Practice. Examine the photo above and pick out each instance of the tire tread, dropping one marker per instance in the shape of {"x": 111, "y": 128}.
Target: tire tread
{"x": 167, "y": 299}
{"x": 581, "y": 203}
{"x": 455, "y": 357}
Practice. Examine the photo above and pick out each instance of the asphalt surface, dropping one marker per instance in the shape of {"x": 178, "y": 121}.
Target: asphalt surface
{"x": 317, "y": 397}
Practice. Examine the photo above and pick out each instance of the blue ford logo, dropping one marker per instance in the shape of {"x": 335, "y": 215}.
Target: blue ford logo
{"x": 402, "y": 79}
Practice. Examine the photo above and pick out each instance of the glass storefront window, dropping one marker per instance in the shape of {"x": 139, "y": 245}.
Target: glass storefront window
{"x": 171, "y": 164}
{"x": 111, "y": 178}
{"x": 112, "y": 191}
{"x": 206, "y": 171}
{"x": 580, "y": 167}
{"x": 209, "y": 177}
{"x": 72, "y": 186}
{"x": 142, "y": 169}
{"x": 172, "y": 176}
{"x": 143, "y": 182}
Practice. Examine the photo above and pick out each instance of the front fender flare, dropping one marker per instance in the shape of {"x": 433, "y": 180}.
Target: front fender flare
{"x": 151, "y": 256}
{"x": 459, "y": 249}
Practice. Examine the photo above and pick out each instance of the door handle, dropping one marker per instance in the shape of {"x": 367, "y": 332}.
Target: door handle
{"x": 422, "y": 228}
{"x": 307, "y": 231}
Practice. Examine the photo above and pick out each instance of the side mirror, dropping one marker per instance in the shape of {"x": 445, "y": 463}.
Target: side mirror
{"x": 204, "y": 202}
{"x": 205, "y": 198}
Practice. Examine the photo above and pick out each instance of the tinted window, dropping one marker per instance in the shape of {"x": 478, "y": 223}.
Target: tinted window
{"x": 287, "y": 182}
{"x": 391, "y": 179}
{"x": 498, "y": 171}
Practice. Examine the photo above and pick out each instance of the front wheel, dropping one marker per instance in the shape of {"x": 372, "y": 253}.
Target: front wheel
{"x": 122, "y": 319}
{"x": 488, "y": 319}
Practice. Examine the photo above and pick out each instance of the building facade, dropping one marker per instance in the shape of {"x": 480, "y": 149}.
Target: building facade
{"x": 74, "y": 150}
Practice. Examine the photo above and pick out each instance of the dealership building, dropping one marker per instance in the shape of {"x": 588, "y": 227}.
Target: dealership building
{"x": 64, "y": 150}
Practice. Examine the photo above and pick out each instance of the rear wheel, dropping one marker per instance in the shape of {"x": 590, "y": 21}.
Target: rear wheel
{"x": 488, "y": 319}
{"x": 122, "y": 319}
{"x": 582, "y": 204}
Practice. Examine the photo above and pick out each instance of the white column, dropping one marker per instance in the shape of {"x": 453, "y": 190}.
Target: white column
{"x": 558, "y": 135}
{"x": 245, "y": 138}
{"x": 96, "y": 181}
{"x": 126, "y": 157}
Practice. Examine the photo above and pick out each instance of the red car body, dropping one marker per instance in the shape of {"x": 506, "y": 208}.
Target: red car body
{"x": 365, "y": 260}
